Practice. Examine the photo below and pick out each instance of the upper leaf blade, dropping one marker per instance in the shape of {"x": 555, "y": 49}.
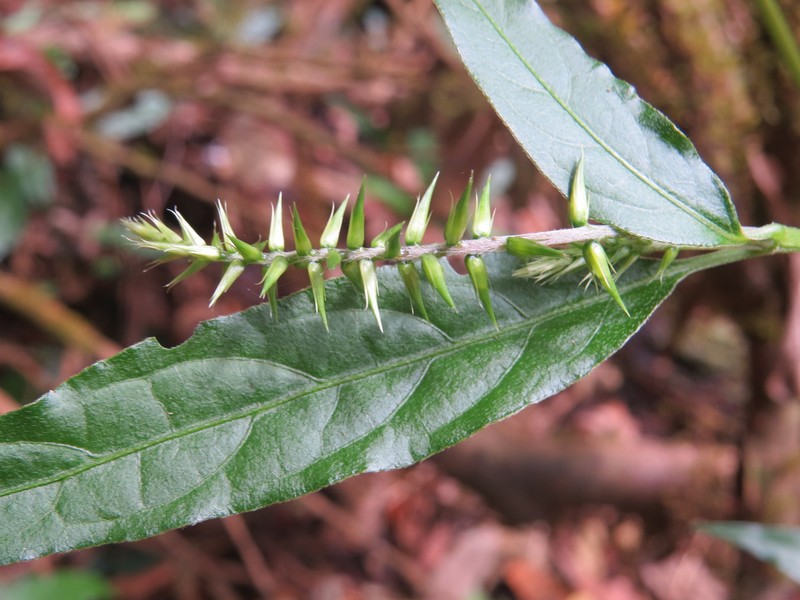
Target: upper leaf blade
{"x": 250, "y": 411}
{"x": 643, "y": 175}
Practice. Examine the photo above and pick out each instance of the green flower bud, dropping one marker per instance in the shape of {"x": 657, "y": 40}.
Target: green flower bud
{"x": 315, "y": 276}
{"x": 149, "y": 228}
{"x": 434, "y": 273}
{"x": 231, "y": 274}
{"x": 352, "y": 271}
{"x": 330, "y": 235}
{"x": 600, "y": 269}
{"x": 249, "y": 253}
{"x": 459, "y": 214}
{"x": 670, "y": 254}
{"x": 421, "y": 215}
{"x": 272, "y": 273}
{"x": 578, "y": 199}
{"x": 476, "y": 268}
{"x": 333, "y": 259}
{"x": 355, "y": 231}
{"x": 525, "y": 248}
{"x": 389, "y": 240}
{"x": 482, "y": 222}
{"x": 410, "y": 275}
{"x": 301, "y": 241}
{"x": 276, "y": 241}
{"x": 370, "y": 280}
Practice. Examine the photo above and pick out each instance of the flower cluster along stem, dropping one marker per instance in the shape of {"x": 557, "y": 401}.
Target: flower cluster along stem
{"x": 550, "y": 254}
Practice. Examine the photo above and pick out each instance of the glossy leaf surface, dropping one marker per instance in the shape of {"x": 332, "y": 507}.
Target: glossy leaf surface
{"x": 250, "y": 411}
{"x": 642, "y": 174}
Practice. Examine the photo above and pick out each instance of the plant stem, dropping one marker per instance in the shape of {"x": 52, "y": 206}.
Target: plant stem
{"x": 486, "y": 245}
{"x": 775, "y": 22}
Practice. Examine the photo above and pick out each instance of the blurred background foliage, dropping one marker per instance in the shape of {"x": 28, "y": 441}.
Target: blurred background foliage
{"x": 109, "y": 108}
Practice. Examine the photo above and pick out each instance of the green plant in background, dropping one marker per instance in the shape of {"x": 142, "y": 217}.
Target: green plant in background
{"x": 256, "y": 409}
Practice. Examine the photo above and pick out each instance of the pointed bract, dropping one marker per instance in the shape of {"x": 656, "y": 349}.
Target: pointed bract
{"x": 578, "y": 199}
{"x": 249, "y": 253}
{"x": 670, "y": 254}
{"x": 272, "y": 273}
{"x": 434, "y": 273}
{"x": 330, "y": 235}
{"x": 476, "y": 267}
{"x": 459, "y": 215}
{"x": 355, "y": 231}
{"x": 352, "y": 271}
{"x": 421, "y": 215}
{"x": 389, "y": 240}
{"x": 370, "y": 280}
{"x": 302, "y": 243}
{"x": 482, "y": 222}
{"x": 231, "y": 274}
{"x": 189, "y": 235}
{"x": 273, "y": 301}
{"x": 525, "y": 248}
{"x": 225, "y": 227}
{"x": 315, "y": 276}
{"x": 600, "y": 268}
{"x": 195, "y": 266}
{"x": 276, "y": 240}
{"x": 410, "y": 276}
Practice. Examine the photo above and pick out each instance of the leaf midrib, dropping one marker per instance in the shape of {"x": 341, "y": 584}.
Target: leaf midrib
{"x": 667, "y": 194}
{"x": 418, "y": 357}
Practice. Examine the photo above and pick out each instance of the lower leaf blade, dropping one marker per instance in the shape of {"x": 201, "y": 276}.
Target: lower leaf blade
{"x": 250, "y": 411}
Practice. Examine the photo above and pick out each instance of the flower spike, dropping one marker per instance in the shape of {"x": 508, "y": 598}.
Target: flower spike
{"x": 476, "y": 268}
{"x": 578, "y": 199}
{"x": 421, "y": 215}
{"x": 410, "y": 275}
{"x": 600, "y": 270}
{"x": 434, "y": 273}
{"x": 482, "y": 222}
{"x": 459, "y": 214}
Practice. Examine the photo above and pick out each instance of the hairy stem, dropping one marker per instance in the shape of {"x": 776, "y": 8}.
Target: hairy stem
{"x": 485, "y": 245}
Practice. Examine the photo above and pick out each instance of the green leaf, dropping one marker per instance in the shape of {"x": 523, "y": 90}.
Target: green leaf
{"x": 644, "y": 176}
{"x": 250, "y": 411}
{"x": 779, "y": 546}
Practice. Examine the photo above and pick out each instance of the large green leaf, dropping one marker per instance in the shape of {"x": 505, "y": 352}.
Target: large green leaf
{"x": 250, "y": 411}
{"x": 779, "y": 546}
{"x": 643, "y": 174}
